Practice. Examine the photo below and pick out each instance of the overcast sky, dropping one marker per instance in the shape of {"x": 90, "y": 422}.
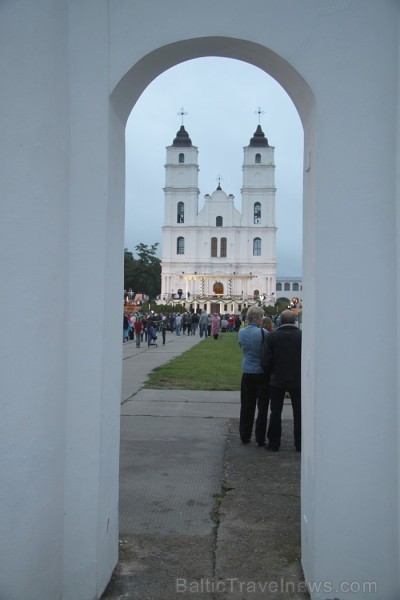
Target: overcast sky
{"x": 220, "y": 97}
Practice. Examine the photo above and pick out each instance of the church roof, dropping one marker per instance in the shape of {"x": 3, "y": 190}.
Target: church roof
{"x": 259, "y": 138}
{"x": 182, "y": 138}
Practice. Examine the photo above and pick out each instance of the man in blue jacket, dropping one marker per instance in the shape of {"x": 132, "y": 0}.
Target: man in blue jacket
{"x": 283, "y": 365}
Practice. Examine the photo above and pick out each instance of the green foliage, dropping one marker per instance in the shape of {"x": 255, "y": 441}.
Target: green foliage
{"x": 168, "y": 309}
{"x": 209, "y": 365}
{"x": 143, "y": 275}
{"x": 282, "y": 304}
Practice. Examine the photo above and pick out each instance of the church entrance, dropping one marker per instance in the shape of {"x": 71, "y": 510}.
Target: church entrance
{"x": 214, "y": 308}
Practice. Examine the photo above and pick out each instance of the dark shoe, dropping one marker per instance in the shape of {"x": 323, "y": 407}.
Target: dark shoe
{"x": 245, "y": 441}
{"x": 261, "y": 444}
{"x": 272, "y": 448}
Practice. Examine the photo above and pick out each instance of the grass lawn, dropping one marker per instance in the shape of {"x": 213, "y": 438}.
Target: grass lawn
{"x": 210, "y": 365}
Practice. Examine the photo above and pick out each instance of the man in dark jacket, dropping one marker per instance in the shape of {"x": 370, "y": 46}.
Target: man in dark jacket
{"x": 283, "y": 367}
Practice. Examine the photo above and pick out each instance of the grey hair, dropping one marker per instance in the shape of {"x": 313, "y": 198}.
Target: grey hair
{"x": 288, "y": 317}
{"x": 254, "y": 313}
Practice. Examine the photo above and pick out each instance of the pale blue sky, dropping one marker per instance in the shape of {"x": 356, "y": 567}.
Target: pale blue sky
{"x": 221, "y": 97}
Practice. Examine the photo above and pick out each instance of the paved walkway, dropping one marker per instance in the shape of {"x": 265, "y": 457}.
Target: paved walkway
{"x": 199, "y": 512}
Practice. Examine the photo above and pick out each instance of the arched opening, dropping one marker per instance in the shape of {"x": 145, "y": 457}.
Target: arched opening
{"x": 145, "y": 154}
{"x": 135, "y": 81}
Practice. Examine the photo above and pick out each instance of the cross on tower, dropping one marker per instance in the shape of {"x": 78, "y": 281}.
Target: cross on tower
{"x": 182, "y": 113}
{"x": 219, "y": 179}
{"x": 259, "y": 112}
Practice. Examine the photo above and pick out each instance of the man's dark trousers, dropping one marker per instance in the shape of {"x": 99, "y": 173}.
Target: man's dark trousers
{"x": 254, "y": 392}
{"x": 275, "y": 420}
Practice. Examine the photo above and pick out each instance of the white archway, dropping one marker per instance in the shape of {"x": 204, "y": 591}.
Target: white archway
{"x": 65, "y": 105}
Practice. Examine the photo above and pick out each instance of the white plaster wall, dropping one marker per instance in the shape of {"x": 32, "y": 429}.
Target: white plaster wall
{"x": 62, "y": 211}
{"x": 96, "y": 222}
{"x": 330, "y": 47}
{"x": 34, "y": 164}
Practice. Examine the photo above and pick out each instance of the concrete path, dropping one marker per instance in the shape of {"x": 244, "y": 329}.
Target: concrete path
{"x": 199, "y": 512}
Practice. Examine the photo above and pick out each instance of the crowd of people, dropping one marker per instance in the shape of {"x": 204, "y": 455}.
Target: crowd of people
{"x": 137, "y": 325}
{"x": 271, "y": 362}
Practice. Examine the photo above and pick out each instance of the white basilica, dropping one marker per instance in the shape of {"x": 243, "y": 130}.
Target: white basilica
{"x": 219, "y": 258}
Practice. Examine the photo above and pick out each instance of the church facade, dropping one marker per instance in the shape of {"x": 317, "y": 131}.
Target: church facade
{"x": 219, "y": 258}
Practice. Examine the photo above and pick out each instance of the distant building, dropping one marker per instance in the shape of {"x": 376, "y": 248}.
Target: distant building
{"x": 289, "y": 287}
{"x": 219, "y": 258}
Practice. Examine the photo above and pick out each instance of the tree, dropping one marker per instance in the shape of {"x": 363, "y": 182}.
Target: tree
{"x": 143, "y": 275}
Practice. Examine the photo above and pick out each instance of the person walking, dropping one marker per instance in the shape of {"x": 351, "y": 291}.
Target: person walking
{"x": 203, "y": 322}
{"x": 215, "y": 325}
{"x": 164, "y": 327}
{"x": 138, "y": 331}
{"x": 209, "y": 321}
{"x": 189, "y": 323}
{"x": 254, "y": 388}
{"x": 178, "y": 324}
{"x": 195, "y": 322}
{"x": 125, "y": 328}
{"x": 283, "y": 366}
{"x": 151, "y": 334}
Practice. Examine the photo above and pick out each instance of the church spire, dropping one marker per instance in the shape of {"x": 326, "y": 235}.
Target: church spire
{"x": 182, "y": 136}
{"x": 259, "y": 138}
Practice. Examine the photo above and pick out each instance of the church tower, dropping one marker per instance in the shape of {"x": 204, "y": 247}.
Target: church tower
{"x": 181, "y": 193}
{"x": 258, "y": 209}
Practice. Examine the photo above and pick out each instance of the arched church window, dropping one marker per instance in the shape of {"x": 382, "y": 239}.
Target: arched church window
{"x": 180, "y": 218}
{"x": 181, "y": 157}
{"x": 214, "y": 246}
{"x": 257, "y": 213}
{"x": 278, "y": 287}
{"x": 257, "y": 247}
{"x": 223, "y": 247}
{"x": 258, "y": 159}
{"x": 180, "y": 245}
{"x": 287, "y": 287}
{"x": 256, "y": 294}
{"x": 218, "y": 222}
{"x": 295, "y": 287}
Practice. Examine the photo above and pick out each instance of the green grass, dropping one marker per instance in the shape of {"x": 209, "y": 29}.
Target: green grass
{"x": 210, "y": 365}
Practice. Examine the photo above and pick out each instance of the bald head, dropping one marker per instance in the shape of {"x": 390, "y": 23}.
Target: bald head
{"x": 288, "y": 317}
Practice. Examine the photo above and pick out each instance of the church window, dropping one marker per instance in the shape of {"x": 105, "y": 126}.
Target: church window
{"x": 287, "y": 287}
{"x": 257, "y": 213}
{"x": 295, "y": 287}
{"x": 181, "y": 157}
{"x": 257, "y": 247}
{"x": 180, "y": 245}
{"x": 258, "y": 159}
{"x": 214, "y": 246}
{"x": 180, "y": 213}
{"x": 218, "y": 222}
{"x": 278, "y": 287}
{"x": 223, "y": 247}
